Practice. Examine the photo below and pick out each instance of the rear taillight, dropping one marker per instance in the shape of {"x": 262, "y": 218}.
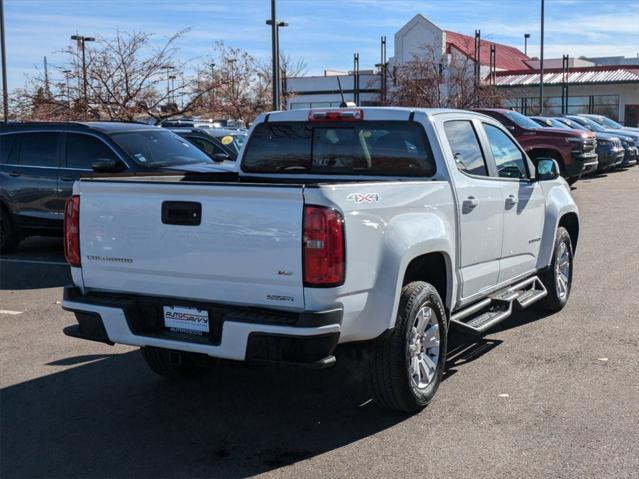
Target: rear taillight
{"x": 324, "y": 256}
{"x": 72, "y": 231}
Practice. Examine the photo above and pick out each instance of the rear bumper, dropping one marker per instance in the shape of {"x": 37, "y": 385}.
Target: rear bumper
{"x": 237, "y": 333}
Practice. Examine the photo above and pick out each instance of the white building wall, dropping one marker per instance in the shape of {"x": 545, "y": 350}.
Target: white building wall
{"x": 415, "y": 37}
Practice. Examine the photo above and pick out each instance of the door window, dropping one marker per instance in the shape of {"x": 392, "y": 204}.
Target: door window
{"x": 207, "y": 147}
{"x": 467, "y": 153}
{"x": 39, "y": 149}
{"x": 84, "y": 150}
{"x": 509, "y": 159}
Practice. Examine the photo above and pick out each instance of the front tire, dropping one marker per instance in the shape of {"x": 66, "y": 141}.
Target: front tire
{"x": 408, "y": 362}
{"x": 558, "y": 278}
{"x": 171, "y": 364}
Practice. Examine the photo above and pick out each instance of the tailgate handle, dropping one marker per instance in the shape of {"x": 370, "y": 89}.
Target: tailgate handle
{"x": 185, "y": 213}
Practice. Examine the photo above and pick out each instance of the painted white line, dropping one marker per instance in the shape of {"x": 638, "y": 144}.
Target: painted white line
{"x": 6, "y": 311}
{"x": 32, "y": 261}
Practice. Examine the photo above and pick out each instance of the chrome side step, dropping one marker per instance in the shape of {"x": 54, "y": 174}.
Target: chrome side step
{"x": 499, "y": 306}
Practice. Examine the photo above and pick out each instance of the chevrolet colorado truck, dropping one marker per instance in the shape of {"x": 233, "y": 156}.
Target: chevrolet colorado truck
{"x": 385, "y": 227}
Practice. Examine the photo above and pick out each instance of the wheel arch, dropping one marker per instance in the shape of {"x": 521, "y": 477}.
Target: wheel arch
{"x": 434, "y": 268}
{"x": 570, "y": 221}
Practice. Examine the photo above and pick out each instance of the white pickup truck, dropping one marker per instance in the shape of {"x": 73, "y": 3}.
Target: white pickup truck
{"x": 383, "y": 226}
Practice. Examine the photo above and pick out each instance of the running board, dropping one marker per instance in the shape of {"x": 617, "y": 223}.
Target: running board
{"x": 498, "y": 306}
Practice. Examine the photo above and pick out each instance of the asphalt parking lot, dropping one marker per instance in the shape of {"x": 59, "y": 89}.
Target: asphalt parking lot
{"x": 542, "y": 396}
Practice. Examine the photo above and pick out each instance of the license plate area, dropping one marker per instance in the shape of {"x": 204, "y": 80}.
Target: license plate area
{"x": 186, "y": 320}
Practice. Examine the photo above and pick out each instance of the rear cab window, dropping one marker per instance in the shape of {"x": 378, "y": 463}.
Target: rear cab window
{"x": 372, "y": 148}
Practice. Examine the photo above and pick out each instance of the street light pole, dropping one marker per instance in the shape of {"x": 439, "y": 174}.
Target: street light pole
{"x": 66, "y": 74}
{"x": 275, "y": 40}
{"x": 526, "y": 37}
{"x": 5, "y": 93}
{"x": 82, "y": 41}
{"x": 541, "y": 64}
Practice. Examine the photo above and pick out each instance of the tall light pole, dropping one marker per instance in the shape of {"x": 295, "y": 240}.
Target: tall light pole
{"x": 66, "y": 75}
{"x": 5, "y": 93}
{"x": 168, "y": 69}
{"x": 82, "y": 41}
{"x": 275, "y": 40}
{"x": 526, "y": 37}
{"x": 541, "y": 64}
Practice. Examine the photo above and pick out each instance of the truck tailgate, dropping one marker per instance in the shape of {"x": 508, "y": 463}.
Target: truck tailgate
{"x": 246, "y": 249}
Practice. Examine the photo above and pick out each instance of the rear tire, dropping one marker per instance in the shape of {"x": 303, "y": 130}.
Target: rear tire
{"x": 8, "y": 237}
{"x": 164, "y": 362}
{"x": 558, "y": 278}
{"x": 408, "y": 362}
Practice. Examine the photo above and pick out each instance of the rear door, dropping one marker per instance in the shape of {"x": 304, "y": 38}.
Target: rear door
{"x": 523, "y": 205}
{"x": 479, "y": 203}
{"x": 31, "y": 171}
{"x": 228, "y": 243}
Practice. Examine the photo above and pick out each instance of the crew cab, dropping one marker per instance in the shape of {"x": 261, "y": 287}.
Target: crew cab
{"x": 573, "y": 150}
{"x": 385, "y": 227}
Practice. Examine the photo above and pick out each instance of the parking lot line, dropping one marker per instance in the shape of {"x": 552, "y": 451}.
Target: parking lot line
{"x": 7, "y": 311}
{"x": 32, "y": 261}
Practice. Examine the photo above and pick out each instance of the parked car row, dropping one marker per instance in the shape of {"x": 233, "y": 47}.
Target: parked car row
{"x": 40, "y": 161}
{"x": 581, "y": 144}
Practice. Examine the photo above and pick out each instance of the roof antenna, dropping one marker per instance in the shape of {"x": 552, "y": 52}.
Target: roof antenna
{"x": 344, "y": 104}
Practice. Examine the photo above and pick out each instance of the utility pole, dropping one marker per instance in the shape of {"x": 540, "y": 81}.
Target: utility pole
{"x": 275, "y": 45}
{"x": 5, "y": 92}
{"x": 541, "y": 64}
{"x": 383, "y": 72}
{"x": 81, "y": 40}
{"x": 477, "y": 65}
{"x": 66, "y": 74}
{"x": 356, "y": 78}
{"x": 47, "y": 90}
{"x": 526, "y": 37}
{"x": 168, "y": 69}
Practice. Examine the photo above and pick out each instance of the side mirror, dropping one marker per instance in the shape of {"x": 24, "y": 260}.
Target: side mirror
{"x": 546, "y": 169}
{"x": 220, "y": 157}
{"x": 107, "y": 165}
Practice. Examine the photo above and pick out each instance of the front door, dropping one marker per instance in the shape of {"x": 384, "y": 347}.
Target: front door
{"x": 522, "y": 203}
{"x": 479, "y": 209}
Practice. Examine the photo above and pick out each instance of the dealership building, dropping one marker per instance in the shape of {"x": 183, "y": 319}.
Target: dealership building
{"x": 605, "y": 85}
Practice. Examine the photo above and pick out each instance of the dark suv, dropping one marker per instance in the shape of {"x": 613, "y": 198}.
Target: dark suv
{"x": 40, "y": 161}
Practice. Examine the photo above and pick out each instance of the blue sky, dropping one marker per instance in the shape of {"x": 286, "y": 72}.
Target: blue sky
{"x": 324, "y": 32}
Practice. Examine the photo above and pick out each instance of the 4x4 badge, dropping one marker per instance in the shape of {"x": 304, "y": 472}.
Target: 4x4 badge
{"x": 364, "y": 197}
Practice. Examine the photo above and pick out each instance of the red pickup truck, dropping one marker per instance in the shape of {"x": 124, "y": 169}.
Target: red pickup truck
{"x": 574, "y": 151}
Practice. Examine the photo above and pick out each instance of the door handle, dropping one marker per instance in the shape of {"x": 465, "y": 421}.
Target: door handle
{"x": 471, "y": 202}
{"x": 511, "y": 201}
{"x": 68, "y": 178}
{"x": 15, "y": 174}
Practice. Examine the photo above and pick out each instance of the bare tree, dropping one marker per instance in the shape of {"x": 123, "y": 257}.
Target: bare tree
{"x": 431, "y": 80}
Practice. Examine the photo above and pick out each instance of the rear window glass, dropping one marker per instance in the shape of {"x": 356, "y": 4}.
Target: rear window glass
{"x": 376, "y": 148}
{"x": 39, "y": 149}
{"x": 6, "y": 143}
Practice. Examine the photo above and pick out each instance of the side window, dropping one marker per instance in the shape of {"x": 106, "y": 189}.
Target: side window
{"x": 6, "y": 144}
{"x": 206, "y": 146}
{"x": 467, "y": 153}
{"x": 509, "y": 159}
{"x": 39, "y": 149}
{"x": 84, "y": 150}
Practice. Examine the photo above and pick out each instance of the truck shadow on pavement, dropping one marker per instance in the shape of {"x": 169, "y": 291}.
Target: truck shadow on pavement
{"x": 110, "y": 416}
